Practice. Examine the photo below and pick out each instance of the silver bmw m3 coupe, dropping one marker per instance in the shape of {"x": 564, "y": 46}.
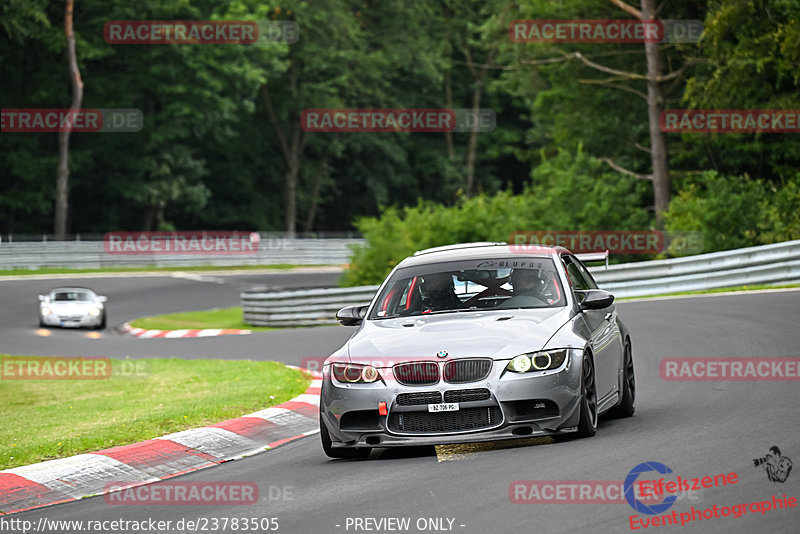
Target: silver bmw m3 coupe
{"x": 477, "y": 342}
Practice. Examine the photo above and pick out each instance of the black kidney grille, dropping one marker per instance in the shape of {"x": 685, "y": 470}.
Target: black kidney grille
{"x": 460, "y": 371}
{"x": 424, "y": 397}
{"x": 467, "y": 395}
{"x": 466, "y": 419}
{"x": 416, "y": 373}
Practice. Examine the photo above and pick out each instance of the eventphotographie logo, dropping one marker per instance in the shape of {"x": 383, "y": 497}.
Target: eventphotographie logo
{"x": 777, "y": 467}
{"x": 636, "y": 503}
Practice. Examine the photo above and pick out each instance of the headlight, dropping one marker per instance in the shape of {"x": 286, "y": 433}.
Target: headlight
{"x": 520, "y": 364}
{"x": 352, "y": 373}
{"x": 537, "y": 361}
{"x": 94, "y": 312}
{"x": 46, "y": 310}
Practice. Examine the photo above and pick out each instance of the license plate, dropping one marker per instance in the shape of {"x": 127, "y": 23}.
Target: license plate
{"x": 446, "y": 407}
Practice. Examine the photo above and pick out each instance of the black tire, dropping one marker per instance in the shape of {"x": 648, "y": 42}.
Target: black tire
{"x": 102, "y": 325}
{"x": 41, "y": 323}
{"x": 627, "y": 405}
{"x": 348, "y": 454}
{"x": 587, "y": 425}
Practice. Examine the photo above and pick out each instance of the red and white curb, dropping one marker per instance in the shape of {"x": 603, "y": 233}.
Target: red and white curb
{"x": 85, "y": 475}
{"x": 129, "y": 330}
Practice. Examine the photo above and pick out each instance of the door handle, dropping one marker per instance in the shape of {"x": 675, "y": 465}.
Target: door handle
{"x": 608, "y": 316}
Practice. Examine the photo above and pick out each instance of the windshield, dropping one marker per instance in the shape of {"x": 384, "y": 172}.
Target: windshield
{"x": 67, "y": 296}
{"x": 474, "y": 285}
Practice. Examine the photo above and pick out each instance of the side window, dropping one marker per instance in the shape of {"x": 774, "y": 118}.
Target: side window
{"x": 576, "y": 278}
{"x": 578, "y": 275}
{"x": 586, "y": 275}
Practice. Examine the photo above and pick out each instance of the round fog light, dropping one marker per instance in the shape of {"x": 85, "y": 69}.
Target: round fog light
{"x": 521, "y": 363}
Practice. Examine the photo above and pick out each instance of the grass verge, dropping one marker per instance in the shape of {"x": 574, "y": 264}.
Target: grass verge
{"x": 153, "y": 268}
{"x": 48, "y": 419}
{"x": 217, "y": 318}
{"x": 716, "y": 290}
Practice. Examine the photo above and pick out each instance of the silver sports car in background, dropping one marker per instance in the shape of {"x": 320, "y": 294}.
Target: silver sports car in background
{"x": 75, "y": 307}
{"x": 477, "y": 342}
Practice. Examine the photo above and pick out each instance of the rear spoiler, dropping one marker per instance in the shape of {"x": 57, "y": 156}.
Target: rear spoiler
{"x": 588, "y": 257}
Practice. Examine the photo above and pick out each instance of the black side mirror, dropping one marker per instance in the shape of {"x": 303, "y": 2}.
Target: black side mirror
{"x": 351, "y": 315}
{"x": 594, "y": 299}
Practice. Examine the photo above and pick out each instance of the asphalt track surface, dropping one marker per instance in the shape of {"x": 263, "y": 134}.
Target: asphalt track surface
{"x": 131, "y": 297}
{"x": 696, "y": 428}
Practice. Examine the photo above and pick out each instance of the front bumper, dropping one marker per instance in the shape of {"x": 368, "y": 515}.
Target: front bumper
{"x": 512, "y": 406}
{"x": 83, "y": 321}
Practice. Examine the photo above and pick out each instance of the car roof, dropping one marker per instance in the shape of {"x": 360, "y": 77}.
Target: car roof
{"x": 478, "y": 251}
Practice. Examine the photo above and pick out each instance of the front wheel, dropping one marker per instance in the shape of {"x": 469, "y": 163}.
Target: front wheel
{"x": 587, "y": 425}
{"x": 327, "y": 445}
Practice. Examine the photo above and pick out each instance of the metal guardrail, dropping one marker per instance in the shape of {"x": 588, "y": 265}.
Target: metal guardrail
{"x": 301, "y": 308}
{"x": 91, "y": 255}
{"x": 778, "y": 263}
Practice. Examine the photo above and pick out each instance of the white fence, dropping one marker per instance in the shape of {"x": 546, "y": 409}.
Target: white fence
{"x": 92, "y": 255}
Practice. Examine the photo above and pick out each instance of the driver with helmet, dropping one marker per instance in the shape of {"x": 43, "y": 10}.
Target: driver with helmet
{"x": 529, "y": 290}
{"x": 438, "y": 293}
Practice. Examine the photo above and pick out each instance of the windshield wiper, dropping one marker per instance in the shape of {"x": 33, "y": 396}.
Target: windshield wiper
{"x": 456, "y": 310}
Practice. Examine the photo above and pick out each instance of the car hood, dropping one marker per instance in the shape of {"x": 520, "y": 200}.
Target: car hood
{"x": 495, "y": 334}
{"x": 71, "y": 306}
